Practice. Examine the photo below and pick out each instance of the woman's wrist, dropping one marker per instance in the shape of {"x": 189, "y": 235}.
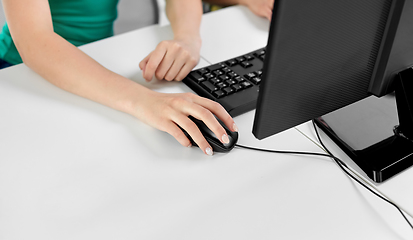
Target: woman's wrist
{"x": 132, "y": 98}
{"x": 189, "y": 38}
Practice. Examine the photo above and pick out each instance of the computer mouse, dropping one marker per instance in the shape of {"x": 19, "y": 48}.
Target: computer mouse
{"x": 216, "y": 144}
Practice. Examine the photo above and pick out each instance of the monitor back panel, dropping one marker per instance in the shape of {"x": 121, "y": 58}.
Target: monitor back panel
{"x": 320, "y": 57}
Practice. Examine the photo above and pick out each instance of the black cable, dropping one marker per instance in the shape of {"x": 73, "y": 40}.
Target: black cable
{"x": 289, "y": 152}
{"x": 338, "y": 161}
{"x": 286, "y": 152}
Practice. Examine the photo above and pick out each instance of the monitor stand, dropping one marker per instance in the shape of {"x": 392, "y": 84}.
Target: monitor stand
{"x": 377, "y": 133}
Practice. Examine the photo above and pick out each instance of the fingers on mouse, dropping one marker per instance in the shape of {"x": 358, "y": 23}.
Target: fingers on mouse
{"x": 217, "y": 144}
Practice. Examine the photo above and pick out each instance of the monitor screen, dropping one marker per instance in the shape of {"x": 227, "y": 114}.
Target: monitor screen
{"x": 326, "y": 55}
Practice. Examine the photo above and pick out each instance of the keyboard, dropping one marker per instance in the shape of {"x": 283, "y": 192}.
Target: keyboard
{"x": 233, "y": 83}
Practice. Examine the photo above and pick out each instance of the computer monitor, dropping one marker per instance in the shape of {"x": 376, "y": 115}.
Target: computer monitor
{"x": 324, "y": 61}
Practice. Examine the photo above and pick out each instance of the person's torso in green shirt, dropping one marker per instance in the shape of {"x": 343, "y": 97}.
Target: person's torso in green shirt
{"x": 78, "y": 21}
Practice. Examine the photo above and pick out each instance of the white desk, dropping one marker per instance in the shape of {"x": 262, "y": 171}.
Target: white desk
{"x": 73, "y": 169}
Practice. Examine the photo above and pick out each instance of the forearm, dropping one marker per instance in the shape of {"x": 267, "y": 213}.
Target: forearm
{"x": 185, "y": 17}
{"x": 67, "y": 67}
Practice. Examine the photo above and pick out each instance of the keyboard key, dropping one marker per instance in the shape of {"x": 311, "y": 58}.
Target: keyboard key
{"x": 258, "y": 73}
{"x": 240, "y": 59}
{"x": 209, "y": 86}
{"x": 226, "y": 70}
{"x": 223, "y": 77}
{"x": 259, "y": 53}
{"x": 218, "y": 72}
{"x": 232, "y": 75}
{"x": 256, "y": 80}
{"x": 218, "y": 94}
{"x": 231, "y": 62}
{"x": 215, "y": 67}
{"x": 202, "y": 71}
{"x": 239, "y": 79}
{"x": 246, "y": 84}
{"x": 237, "y": 87}
{"x": 221, "y": 85}
{"x": 230, "y": 82}
{"x": 214, "y": 80}
{"x": 228, "y": 90}
{"x": 196, "y": 76}
{"x": 246, "y": 64}
{"x": 209, "y": 75}
{"x": 248, "y": 57}
{"x": 250, "y": 75}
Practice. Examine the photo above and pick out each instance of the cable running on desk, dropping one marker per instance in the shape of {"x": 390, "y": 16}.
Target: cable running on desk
{"x": 338, "y": 161}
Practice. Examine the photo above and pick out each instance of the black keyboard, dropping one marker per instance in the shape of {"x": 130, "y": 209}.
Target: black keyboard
{"x": 233, "y": 83}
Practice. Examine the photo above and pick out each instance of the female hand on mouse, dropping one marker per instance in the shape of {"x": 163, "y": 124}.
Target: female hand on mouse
{"x": 166, "y": 111}
{"x": 172, "y": 60}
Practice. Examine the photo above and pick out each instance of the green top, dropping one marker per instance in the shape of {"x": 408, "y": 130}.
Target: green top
{"x": 78, "y": 21}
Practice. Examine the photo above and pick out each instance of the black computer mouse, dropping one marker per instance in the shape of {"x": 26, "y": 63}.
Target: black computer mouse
{"x": 216, "y": 144}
